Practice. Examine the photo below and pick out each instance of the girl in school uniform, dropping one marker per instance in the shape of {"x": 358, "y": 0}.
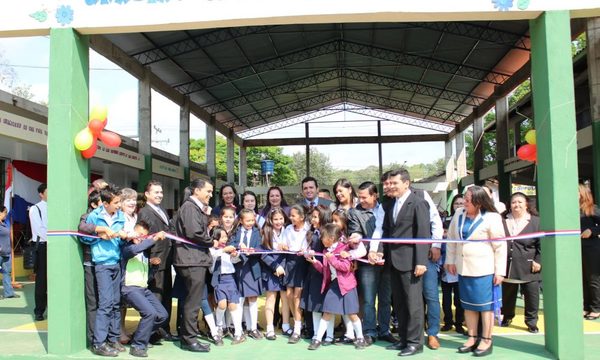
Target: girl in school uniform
{"x": 227, "y": 219}
{"x": 225, "y": 287}
{"x": 274, "y": 268}
{"x": 338, "y": 286}
{"x": 355, "y": 250}
{"x": 312, "y": 298}
{"x": 249, "y": 273}
{"x": 294, "y": 237}
{"x": 249, "y": 202}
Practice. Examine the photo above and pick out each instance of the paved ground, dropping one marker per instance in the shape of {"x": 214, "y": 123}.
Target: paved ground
{"x": 22, "y": 338}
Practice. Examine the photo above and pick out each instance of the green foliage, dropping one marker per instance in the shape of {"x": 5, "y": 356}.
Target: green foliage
{"x": 320, "y": 167}
{"x": 283, "y": 174}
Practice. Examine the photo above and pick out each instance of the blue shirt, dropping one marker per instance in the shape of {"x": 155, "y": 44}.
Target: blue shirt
{"x": 105, "y": 252}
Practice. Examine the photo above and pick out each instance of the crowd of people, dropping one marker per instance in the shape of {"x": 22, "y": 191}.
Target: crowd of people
{"x": 354, "y": 257}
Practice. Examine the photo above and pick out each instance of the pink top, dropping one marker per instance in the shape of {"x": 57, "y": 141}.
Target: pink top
{"x": 345, "y": 277}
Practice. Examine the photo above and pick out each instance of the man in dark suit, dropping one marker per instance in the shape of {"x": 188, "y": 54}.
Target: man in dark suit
{"x": 192, "y": 261}
{"x": 310, "y": 191}
{"x": 407, "y": 216}
{"x": 160, "y": 281}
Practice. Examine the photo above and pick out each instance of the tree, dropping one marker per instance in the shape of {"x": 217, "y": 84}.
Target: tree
{"x": 320, "y": 167}
{"x": 283, "y": 174}
{"x": 9, "y": 80}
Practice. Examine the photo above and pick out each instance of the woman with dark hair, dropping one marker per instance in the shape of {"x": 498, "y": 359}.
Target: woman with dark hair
{"x": 590, "y": 253}
{"x": 457, "y": 202}
{"x": 345, "y": 196}
{"x": 523, "y": 263}
{"x": 481, "y": 265}
{"x": 228, "y": 197}
{"x": 275, "y": 199}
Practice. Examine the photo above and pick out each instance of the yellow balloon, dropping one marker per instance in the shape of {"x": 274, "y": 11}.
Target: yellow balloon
{"x": 84, "y": 139}
{"x": 530, "y": 137}
{"x": 99, "y": 113}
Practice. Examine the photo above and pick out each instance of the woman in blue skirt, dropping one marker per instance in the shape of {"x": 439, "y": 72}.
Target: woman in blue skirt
{"x": 481, "y": 266}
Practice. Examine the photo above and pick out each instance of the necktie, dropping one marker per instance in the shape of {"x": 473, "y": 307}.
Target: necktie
{"x": 397, "y": 207}
{"x": 312, "y": 205}
{"x": 162, "y": 215}
{"x": 246, "y": 240}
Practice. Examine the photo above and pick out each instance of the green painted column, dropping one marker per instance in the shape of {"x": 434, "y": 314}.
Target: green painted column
{"x": 68, "y": 175}
{"x": 554, "y": 109}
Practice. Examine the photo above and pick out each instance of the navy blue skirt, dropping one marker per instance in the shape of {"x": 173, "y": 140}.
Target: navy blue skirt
{"x": 476, "y": 292}
{"x": 335, "y": 303}
{"x": 270, "y": 281}
{"x": 248, "y": 285}
{"x": 295, "y": 271}
{"x": 312, "y": 298}
{"x": 227, "y": 289}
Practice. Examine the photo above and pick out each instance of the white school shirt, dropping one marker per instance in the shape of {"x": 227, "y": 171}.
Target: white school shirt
{"x": 295, "y": 240}
{"x": 331, "y": 268}
{"x": 39, "y": 225}
{"x": 226, "y": 264}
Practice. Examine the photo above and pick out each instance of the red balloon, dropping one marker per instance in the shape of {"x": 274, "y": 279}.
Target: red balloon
{"x": 527, "y": 152}
{"x": 89, "y": 152}
{"x": 110, "y": 138}
{"x": 96, "y": 126}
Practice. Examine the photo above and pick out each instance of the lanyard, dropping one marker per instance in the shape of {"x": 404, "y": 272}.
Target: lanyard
{"x": 462, "y": 219}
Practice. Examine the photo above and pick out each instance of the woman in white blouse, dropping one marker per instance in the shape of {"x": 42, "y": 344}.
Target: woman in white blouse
{"x": 481, "y": 265}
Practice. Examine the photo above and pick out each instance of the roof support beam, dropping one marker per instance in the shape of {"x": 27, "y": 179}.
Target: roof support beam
{"x": 197, "y": 42}
{"x": 282, "y": 61}
{"x": 345, "y": 140}
{"x": 369, "y": 78}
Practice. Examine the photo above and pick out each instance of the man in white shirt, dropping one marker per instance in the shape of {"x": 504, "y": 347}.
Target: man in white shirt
{"x": 38, "y": 219}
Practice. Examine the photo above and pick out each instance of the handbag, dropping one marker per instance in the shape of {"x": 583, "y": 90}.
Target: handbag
{"x": 29, "y": 255}
{"x": 30, "y": 251}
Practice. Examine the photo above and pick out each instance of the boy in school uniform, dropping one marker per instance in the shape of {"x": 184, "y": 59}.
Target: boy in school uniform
{"x": 106, "y": 255}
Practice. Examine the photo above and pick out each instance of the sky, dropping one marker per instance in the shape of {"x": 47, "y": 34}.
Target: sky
{"x": 114, "y": 88}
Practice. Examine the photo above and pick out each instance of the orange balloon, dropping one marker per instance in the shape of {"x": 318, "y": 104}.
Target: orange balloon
{"x": 89, "y": 152}
{"x": 110, "y": 138}
{"x": 96, "y": 126}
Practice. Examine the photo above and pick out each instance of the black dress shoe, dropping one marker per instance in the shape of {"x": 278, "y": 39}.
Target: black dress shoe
{"x": 138, "y": 352}
{"x": 170, "y": 337}
{"x": 344, "y": 340}
{"x": 195, "y": 347}
{"x": 369, "y": 340}
{"x": 388, "y": 338}
{"x": 314, "y": 345}
{"x": 461, "y": 330}
{"x": 104, "y": 350}
{"x": 396, "y": 346}
{"x": 360, "y": 344}
{"x": 294, "y": 338}
{"x": 467, "y": 349}
{"x": 411, "y": 350}
{"x": 506, "y": 322}
{"x": 217, "y": 340}
{"x": 480, "y": 353}
{"x": 446, "y": 327}
{"x": 533, "y": 329}
{"x": 39, "y": 317}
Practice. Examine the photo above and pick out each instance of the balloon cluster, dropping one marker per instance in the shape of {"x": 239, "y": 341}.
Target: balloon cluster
{"x": 86, "y": 140}
{"x": 528, "y": 152}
